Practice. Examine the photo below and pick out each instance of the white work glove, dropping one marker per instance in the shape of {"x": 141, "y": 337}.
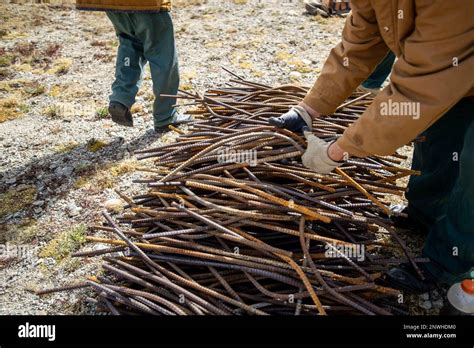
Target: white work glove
{"x": 316, "y": 156}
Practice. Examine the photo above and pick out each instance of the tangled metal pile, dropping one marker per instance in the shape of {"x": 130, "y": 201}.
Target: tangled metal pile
{"x": 232, "y": 223}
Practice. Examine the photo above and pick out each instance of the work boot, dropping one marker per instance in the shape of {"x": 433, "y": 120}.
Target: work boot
{"x": 178, "y": 119}
{"x": 311, "y": 8}
{"x": 317, "y": 7}
{"x": 405, "y": 278}
{"x": 120, "y": 114}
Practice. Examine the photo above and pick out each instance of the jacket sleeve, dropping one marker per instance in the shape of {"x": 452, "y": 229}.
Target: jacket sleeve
{"x": 433, "y": 74}
{"x": 351, "y": 61}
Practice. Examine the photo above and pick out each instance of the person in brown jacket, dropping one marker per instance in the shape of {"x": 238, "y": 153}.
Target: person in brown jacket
{"x": 146, "y": 35}
{"x": 430, "y": 94}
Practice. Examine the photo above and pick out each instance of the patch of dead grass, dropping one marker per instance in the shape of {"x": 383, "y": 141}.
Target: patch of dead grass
{"x": 123, "y": 168}
{"x": 19, "y": 233}
{"x": 11, "y": 108}
{"x": 66, "y": 147}
{"x": 95, "y": 145}
{"x": 65, "y": 243}
{"x": 60, "y": 66}
{"x": 15, "y": 200}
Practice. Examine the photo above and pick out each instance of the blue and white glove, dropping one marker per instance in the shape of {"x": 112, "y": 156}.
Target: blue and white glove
{"x": 295, "y": 120}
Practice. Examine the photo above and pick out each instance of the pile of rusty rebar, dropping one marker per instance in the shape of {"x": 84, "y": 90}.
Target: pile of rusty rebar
{"x": 232, "y": 223}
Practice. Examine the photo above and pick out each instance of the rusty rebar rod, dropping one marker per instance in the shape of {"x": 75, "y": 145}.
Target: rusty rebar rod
{"x": 229, "y": 221}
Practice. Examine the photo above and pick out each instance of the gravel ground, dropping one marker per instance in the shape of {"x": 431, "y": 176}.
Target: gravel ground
{"x": 61, "y": 158}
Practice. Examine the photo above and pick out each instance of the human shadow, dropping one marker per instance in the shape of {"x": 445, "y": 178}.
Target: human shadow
{"x": 55, "y": 175}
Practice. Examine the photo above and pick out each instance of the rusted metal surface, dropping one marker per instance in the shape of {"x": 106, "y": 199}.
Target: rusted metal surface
{"x": 215, "y": 234}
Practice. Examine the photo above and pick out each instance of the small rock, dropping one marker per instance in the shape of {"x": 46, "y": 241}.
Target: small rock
{"x": 22, "y": 187}
{"x": 4, "y": 260}
{"x": 114, "y": 205}
{"x": 64, "y": 171}
{"x": 38, "y": 203}
{"x": 49, "y": 261}
{"x": 426, "y": 305}
{"x": 438, "y": 304}
{"x": 10, "y": 181}
{"x": 295, "y": 75}
{"x": 98, "y": 247}
{"x": 73, "y": 210}
{"x": 425, "y": 296}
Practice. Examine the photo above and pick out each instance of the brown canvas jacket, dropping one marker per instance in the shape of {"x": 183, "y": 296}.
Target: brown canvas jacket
{"x": 434, "y": 43}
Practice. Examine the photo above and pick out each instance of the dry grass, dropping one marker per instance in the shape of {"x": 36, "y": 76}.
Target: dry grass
{"x": 34, "y": 89}
{"x": 15, "y": 200}
{"x": 11, "y": 108}
{"x": 106, "y": 177}
{"x": 52, "y": 49}
{"x": 99, "y": 43}
{"x": 52, "y": 111}
{"x": 19, "y": 233}
{"x": 104, "y": 57}
{"x": 95, "y": 145}
{"x": 24, "y": 87}
{"x": 60, "y": 66}
{"x": 25, "y": 49}
{"x": 6, "y": 60}
{"x": 136, "y": 108}
{"x": 5, "y": 73}
{"x": 81, "y": 182}
{"x": 70, "y": 92}
{"x": 55, "y": 91}
{"x": 123, "y": 168}
{"x": 65, "y": 243}
{"x": 66, "y": 147}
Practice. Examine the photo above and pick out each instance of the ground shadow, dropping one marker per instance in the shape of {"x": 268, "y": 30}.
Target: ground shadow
{"x": 55, "y": 175}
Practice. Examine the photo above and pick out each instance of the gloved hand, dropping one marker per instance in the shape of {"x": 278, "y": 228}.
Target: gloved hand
{"x": 294, "y": 120}
{"x": 316, "y": 156}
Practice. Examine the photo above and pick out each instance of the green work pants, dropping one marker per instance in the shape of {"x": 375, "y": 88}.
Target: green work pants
{"x": 146, "y": 37}
{"x": 381, "y": 72}
{"x": 442, "y": 198}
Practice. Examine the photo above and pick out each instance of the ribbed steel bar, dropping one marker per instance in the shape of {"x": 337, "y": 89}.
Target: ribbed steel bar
{"x": 229, "y": 221}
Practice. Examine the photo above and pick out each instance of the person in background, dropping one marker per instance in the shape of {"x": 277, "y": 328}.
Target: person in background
{"x": 375, "y": 81}
{"x": 434, "y": 42}
{"x": 145, "y": 32}
{"x": 327, "y": 8}
{"x": 340, "y": 6}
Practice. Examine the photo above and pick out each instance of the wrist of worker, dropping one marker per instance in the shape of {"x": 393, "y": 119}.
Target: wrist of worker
{"x": 312, "y": 112}
{"x": 337, "y": 153}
